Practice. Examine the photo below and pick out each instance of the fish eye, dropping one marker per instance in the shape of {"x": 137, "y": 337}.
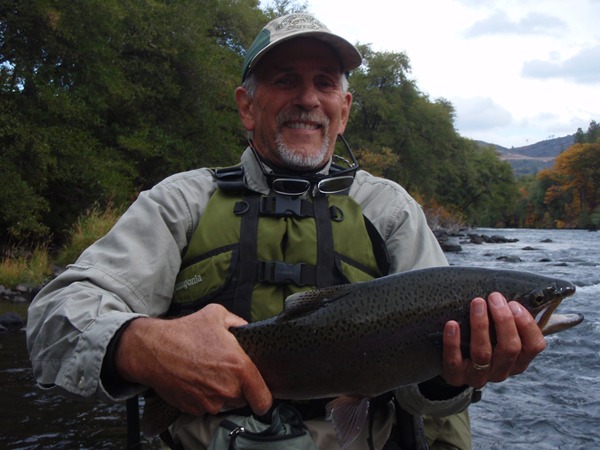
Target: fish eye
{"x": 537, "y": 297}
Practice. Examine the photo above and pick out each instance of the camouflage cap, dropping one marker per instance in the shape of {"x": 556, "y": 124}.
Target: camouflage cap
{"x": 299, "y": 25}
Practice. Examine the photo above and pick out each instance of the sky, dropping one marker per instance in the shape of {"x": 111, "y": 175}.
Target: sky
{"x": 517, "y": 71}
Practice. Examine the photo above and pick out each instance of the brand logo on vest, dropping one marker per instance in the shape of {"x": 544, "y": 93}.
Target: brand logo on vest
{"x": 188, "y": 283}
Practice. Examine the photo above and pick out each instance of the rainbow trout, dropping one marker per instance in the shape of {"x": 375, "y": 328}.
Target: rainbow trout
{"x": 357, "y": 341}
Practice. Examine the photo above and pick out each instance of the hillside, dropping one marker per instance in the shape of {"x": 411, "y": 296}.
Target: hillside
{"x": 530, "y": 159}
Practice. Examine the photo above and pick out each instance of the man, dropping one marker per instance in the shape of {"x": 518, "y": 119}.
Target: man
{"x": 95, "y": 331}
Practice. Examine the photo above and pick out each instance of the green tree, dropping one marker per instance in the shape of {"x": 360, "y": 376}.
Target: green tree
{"x": 278, "y": 8}
{"x": 593, "y": 133}
{"x": 579, "y": 136}
{"x": 591, "y": 136}
{"x": 432, "y": 160}
{"x": 105, "y": 97}
{"x": 102, "y": 98}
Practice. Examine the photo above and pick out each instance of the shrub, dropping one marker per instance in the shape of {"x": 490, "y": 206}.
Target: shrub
{"x": 87, "y": 230}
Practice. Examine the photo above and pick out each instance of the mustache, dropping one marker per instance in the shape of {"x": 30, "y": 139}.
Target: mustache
{"x": 302, "y": 116}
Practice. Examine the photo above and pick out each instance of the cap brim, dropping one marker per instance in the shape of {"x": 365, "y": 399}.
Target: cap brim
{"x": 350, "y": 57}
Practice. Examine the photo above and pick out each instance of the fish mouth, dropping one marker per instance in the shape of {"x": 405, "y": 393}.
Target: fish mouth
{"x": 551, "y": 323}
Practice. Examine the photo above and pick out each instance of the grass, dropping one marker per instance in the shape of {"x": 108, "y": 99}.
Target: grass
{"x": 33, "y": 268}
{"x": 87, "y": 230}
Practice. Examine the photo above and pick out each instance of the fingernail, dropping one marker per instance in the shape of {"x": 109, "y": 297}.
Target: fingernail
{"x": 478, "y": 308}
{"x": 496, "y": 300}
{"x": 450, "y": 330}
{"x": 516, "y": 308}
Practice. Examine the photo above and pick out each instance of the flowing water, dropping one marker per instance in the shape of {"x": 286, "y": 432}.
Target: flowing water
{"x": 554, "y": 405}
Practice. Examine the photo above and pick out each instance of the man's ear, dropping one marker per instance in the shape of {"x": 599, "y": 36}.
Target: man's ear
{"x": 346, "y": 104}
{"x": 244, "y": 105}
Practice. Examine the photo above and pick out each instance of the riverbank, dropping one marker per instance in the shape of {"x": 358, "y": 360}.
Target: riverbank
{"x": 14, "y": 302}
{"x": 13, "y": 307}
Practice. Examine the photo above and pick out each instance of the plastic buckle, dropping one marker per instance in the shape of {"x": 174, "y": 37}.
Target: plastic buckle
{"x": 278, "y": 272}
{"x": 281, "y": 206}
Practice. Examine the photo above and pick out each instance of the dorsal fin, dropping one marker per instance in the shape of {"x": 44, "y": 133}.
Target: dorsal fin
{"x": 303, "y": 303}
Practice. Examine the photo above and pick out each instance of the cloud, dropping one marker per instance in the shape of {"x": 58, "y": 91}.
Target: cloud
{"x": 480, "y": 113}
{"x": 533, "y": 23}
{"x": 584, "y": 67}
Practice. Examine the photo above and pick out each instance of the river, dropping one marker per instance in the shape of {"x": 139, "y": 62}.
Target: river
{"x": 555, "y": 404}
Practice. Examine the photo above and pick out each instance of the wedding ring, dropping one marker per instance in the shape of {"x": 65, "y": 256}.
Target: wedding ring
{"x": 481, "y": 367}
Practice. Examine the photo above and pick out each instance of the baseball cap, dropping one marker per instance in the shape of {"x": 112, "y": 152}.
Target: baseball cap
{"x": 299, "y": 25}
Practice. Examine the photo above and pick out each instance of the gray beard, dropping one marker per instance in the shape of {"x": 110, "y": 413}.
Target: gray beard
{"x": 294, "y": 159}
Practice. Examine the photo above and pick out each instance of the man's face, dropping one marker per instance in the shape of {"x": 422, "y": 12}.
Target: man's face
{"x": 299, "y": 107}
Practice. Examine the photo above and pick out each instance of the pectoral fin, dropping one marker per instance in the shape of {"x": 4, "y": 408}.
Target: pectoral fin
{"x": 348, "y": 415}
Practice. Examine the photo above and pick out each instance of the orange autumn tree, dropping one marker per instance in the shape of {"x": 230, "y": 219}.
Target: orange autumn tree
{"x": 571, "y": 188}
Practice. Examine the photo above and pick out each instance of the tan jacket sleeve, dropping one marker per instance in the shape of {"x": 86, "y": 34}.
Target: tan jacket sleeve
{"x": 128, "y": 273}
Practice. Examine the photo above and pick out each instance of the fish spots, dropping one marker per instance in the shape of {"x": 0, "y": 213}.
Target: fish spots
{"x": 370, "y": 337}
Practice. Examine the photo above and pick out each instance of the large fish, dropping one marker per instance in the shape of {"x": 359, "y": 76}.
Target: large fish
{"x": 359, "y": 340}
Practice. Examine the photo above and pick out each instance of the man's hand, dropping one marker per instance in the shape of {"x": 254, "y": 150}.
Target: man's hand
{"x": 194, "y": 362}
{"x": 519, "y": 341}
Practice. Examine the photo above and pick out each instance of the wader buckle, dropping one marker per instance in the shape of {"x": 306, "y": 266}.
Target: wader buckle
{"x": 286, "y": 207}
{"x": 278, "y": 272}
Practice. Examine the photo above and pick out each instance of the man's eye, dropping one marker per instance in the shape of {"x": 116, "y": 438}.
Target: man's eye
{"x": 284, "y": 81}
{"x": 326, "y": 84}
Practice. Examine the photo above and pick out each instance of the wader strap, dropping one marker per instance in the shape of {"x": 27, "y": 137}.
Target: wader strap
{"x": 169, "y": 441}
{"x": 230, "y": 179}
{"x": 407, "y": 434}
{"x": 247, "y": 258}
{"x": 325, "y": 253}
{"x": 133, "y": 423}
{"x": 379, "y": 248}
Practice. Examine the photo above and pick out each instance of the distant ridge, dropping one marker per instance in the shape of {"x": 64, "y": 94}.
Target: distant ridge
{"x": 530, "y": 159}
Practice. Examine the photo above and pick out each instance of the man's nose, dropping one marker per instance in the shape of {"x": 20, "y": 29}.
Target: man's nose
{"x": 308, "y": 96}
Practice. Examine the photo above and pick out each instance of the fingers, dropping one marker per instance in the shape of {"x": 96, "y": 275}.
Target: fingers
{"x": 458, "y": 370}
{"x": 256, "y": 392}
{"x": 453, "y": 364}
{"x": 508, "y": 345}
{"x": 481, "y": 345}
{"x": 532, "y": 339}
{"x": 231, "y": 320}
{"x": 504, "y": 340}
{"x": 196, "y": 364}
{"x": 245, "y": 384}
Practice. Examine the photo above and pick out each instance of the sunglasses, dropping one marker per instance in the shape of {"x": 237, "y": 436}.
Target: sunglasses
{"x": 298, "y": 186}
